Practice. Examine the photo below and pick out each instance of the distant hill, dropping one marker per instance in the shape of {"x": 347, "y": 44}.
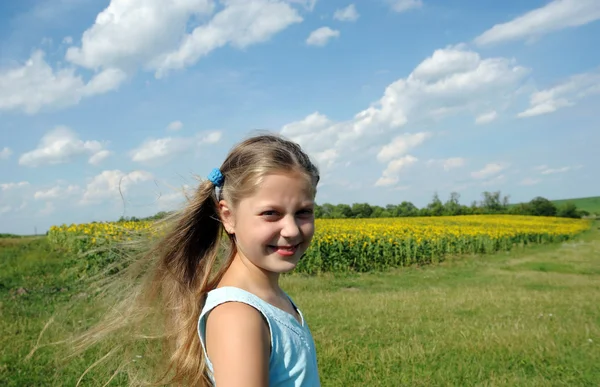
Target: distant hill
{"x": 591, "y": 204}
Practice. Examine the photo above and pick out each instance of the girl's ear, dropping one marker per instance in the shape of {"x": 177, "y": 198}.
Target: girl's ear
{"x": 227, "y": 217}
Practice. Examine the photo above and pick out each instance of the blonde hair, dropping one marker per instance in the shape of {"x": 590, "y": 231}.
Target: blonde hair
{"x": 189, "y": 261}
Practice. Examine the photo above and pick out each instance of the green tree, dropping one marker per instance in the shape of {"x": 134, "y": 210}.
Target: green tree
{"x": 379, "y": 212}
{"x": 568, "y": 210}
{"x": 342, "y": 211}
{"x": 327, "y": 210}
{"x": 520, "y": 209}
{"x": 407, "y": 209}
{"x": 392, "y": 210}
{"x": 465, "y": 210}
{"x": 540, "y": 206}
{"x": 318, "y": 211}
{"x": 452, "y": 205}
{"x": 436, "y": 208}
{"x": 491, "y": 203}
{"x": 474, "y": 209}
{"x": 362, "y": 210}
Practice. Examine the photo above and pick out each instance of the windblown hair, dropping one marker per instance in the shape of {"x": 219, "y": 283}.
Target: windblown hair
{"x": 168, "y": 283}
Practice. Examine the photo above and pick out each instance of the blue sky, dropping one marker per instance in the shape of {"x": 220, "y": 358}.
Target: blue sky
{"x": 111, "y": 108}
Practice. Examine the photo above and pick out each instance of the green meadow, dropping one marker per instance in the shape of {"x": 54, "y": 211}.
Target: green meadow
{"x": 590, "y": 204}
{"x": 530, "y": 317}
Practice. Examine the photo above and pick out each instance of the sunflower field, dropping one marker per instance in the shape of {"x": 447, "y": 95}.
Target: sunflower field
{"x": 357, "y": 244}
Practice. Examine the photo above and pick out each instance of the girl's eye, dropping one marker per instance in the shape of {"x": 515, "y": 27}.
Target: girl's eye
{"x": 269, "y": 213}
{"x": 306, "y": 211}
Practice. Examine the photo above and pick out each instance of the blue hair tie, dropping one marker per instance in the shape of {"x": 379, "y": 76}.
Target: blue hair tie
{"x": 216, "y": 177}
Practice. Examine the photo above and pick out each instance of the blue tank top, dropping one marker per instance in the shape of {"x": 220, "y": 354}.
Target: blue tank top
{"x": 293, "y": 360}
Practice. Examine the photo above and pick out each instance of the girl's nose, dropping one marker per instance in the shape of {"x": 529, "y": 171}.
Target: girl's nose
{"x": 290, "y": 227}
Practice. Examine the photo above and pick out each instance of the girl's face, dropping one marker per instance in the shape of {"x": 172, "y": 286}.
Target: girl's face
{"x": 275, "y": 226}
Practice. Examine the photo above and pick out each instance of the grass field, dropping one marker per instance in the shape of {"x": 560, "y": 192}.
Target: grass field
{"x": 523, "y": 318}
{"x": 591, "y": 204}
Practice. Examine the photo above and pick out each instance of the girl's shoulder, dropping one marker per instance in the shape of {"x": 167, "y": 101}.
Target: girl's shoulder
{"x": 271, "y": 313}
{"x": 293, "y": 354}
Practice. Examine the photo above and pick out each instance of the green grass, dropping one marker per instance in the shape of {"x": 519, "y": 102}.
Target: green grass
{"x": 591, "y": 204}
{"x": 527, "y": 318}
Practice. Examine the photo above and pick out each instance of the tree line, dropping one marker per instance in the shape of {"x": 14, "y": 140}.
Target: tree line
{"x": 490, "y": 203}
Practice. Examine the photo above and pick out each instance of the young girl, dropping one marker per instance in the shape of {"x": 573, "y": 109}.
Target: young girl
{"x": 224, "y": 318}
{"x": 251, "y": 332}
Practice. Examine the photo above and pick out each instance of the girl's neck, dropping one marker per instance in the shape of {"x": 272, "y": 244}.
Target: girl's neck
{"x": 245, "y": 275}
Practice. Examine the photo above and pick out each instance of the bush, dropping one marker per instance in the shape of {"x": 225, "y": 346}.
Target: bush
{"x": 540, "y": 206}
{"x": 568, "y": 210}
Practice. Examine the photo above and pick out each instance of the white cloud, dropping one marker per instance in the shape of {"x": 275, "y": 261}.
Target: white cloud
{"x": 551, "y": 171}
{"x": 130, "y": 33}
{"x": 395, "y": 155}
{"x": 449, "y": 163}
{"x": 540, "y": 167}
{"x": 150, "y": 34}
{"x": 346, "y": 14}
{"x": 489, "y": 170}
{"x": 391, "y": 175}
{"x": 5, "y": 153}
{"x": 530, "y": 181}
{"x": 99, "y": 157}
{"x": 313, "y": 132}
{"x": 404, "y": 5}
{"x": 11, "y": 186}
{"x": 326, "y": 158}
{"x": 51, "y": 193}
{"x": 564, "y": 94}
{"x": 67, "y": 40}
{"x": 111, "y": 184}
{"x": 321, "y": 36}
{"x": 401, "y": 145}
{"x": 486, "y": 118}
{"x": 36, "y": 85}
{"x": 57, "y": 192}
{"x": 554, "y": 16}
{"x": 61, "y": 145}
{"x": 240, "y": 24}
{"x": 446, "y": 62}
{"x": 545, "y": 107}
{"x": 163, "y": 149}
{"x": 105, "y": 81}
{"x": 453, "y": 162}
{"x": 451, "y": 80}
{"x": 314, "y": 129}
{"x": 210, "y": 138}
{"x": 175, "y": 126}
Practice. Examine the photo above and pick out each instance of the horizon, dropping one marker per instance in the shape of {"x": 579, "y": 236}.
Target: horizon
{"x": 394, "y": 99}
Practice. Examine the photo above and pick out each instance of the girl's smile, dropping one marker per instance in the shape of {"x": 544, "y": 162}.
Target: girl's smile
{"x": 286, "y": 251}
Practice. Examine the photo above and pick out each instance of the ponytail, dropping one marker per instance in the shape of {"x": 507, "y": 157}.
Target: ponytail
{"x": 176, "y": 274}
{"x": 188, "y": 254}
{"x": 193, "y": 241}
